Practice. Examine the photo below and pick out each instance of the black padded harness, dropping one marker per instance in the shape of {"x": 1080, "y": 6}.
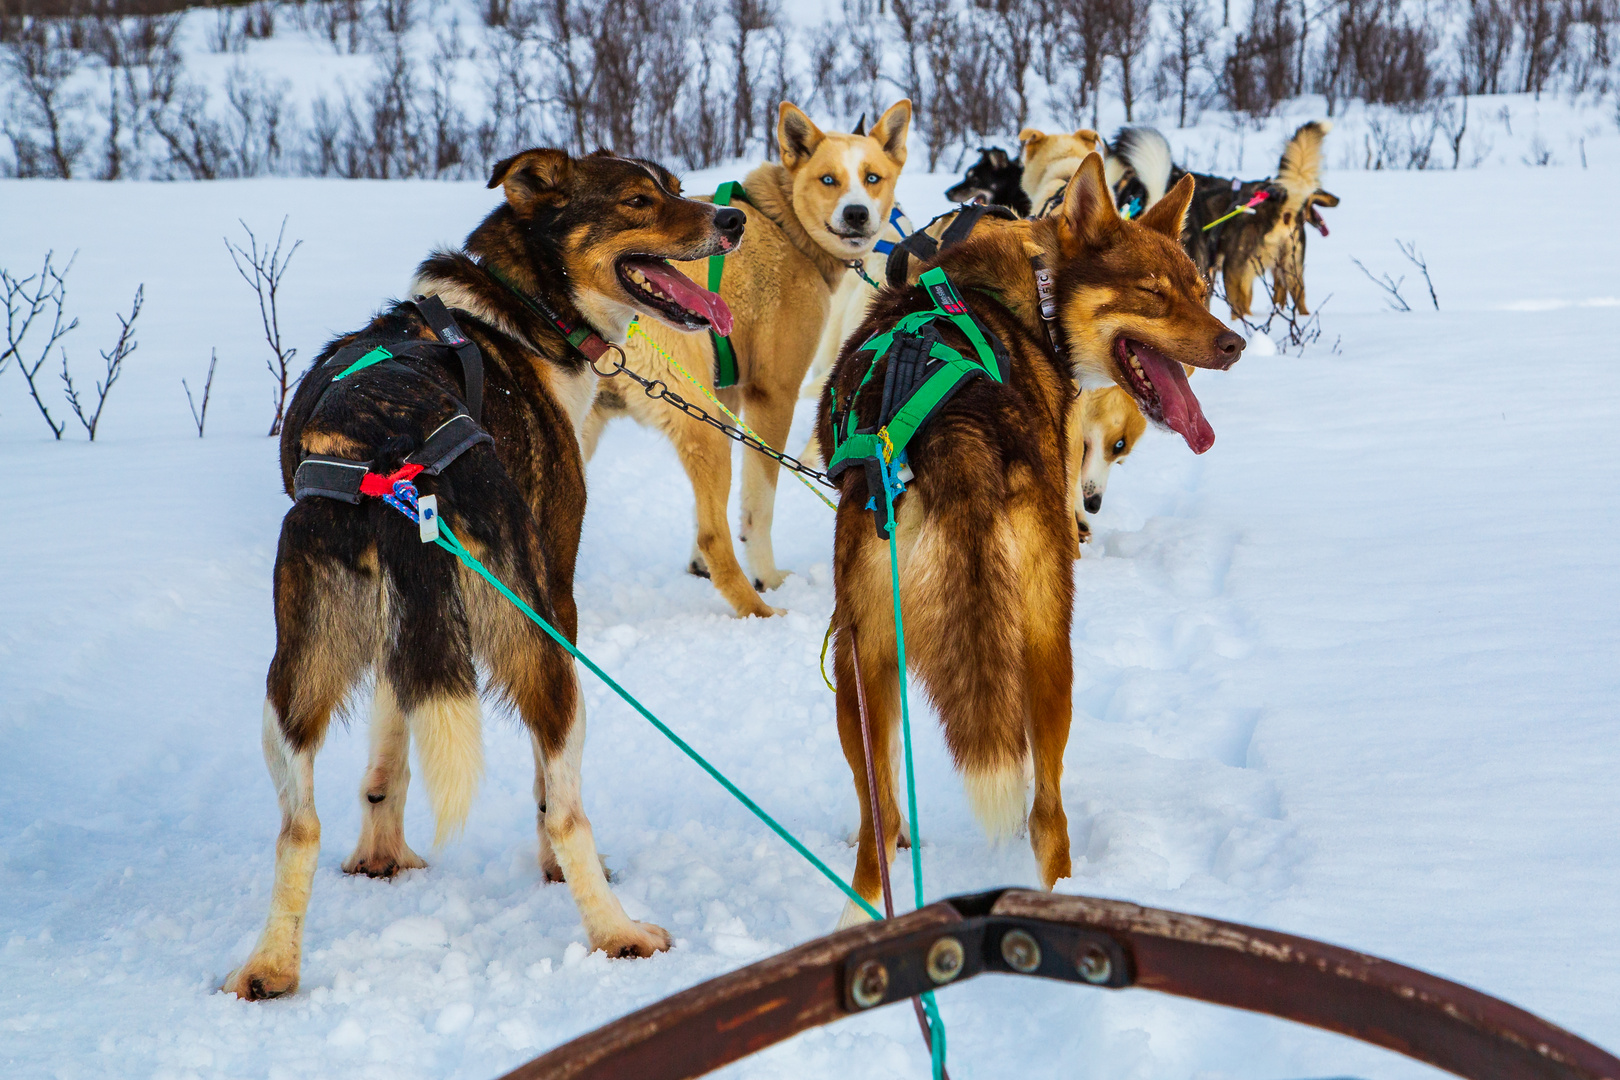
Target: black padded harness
{"x": 331, "y": 477}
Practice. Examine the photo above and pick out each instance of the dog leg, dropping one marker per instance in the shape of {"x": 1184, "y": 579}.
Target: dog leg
{"x": 706, "y": 456}
{"x": 880, "y": 677}
{"x": 382, "y": 851}
{"x": 548, "y": 858}
{"x": 569, "y": 831}
{"x": 1047, "y": 582}
{"x": 1238, "y": 281}
{"x": 272, "y": 970}
{"x": 770, "y": 414}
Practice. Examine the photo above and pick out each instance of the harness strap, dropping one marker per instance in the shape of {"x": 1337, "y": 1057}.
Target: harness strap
{"x": 925, "y": 248}
{"x": 340, "y": 478}
{"x": 884, "y": 247}
{"x": 725, "y": 358}
{"x": 442, "y": 323}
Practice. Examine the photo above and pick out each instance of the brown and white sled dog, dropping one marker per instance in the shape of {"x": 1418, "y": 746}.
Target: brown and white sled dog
{"x": 850, "y": 302}
{"x": 985, "y": 532}
{"x": 356, "y": 591}
{"x": 1104, "y": 425}
{"x": 823, "y": 206}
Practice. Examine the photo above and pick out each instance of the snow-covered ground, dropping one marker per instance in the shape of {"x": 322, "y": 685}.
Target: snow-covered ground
{"x": 1351, "y": 674}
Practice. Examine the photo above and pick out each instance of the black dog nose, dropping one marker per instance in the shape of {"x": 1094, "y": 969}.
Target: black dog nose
{"x": 730, "y": 220}
{"x": 1093, "y": 503}
{"x": 856, "y": 216}
{"x": 1230, "y": 346}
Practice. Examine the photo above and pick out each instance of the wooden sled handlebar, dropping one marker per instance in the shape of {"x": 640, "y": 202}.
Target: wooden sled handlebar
{"x": 1076, "y": 939}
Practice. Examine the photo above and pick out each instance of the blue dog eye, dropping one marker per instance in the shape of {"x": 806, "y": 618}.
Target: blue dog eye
{"x": 828, "y": 180}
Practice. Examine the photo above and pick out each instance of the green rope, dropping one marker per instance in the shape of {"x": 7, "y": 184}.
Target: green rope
{"x": 936, "y": 1025}
{"x": 448, "y": 541}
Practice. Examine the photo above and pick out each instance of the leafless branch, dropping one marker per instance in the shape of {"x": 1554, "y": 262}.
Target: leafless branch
{"x": 1415, "y": 257}
{"x": 1391, "y": 286}
{"x": 200, "y": 416}
{"x": 115, "y": 367}
{"x": 26, "y": 299}
{"x": 264, "y": 269}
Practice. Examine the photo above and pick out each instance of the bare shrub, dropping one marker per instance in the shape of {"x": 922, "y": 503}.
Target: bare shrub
{"x": 1544, "y": 37}
{"x": 1261, "y": 68}
{"x": 199, "y": 416}
{"x": 264, "y": 269}
{"x": 44, "y": 119}
{"x": 1129, "y": 25}
{"x": 342, "y": 21}
{"x": 26, "y": 300}
{"x": 89, "y": 418}
{"x": 1073, "y": 63}
{"x": 1016, "y": 36}
{"x": 1183, "y": 51}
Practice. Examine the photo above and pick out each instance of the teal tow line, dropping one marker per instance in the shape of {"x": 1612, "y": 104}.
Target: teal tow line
{"x": 936, "y": 1025}
{"x": 448, "y": 541}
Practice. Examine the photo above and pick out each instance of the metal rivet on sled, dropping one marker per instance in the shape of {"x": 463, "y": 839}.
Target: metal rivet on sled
{"x": 1021, "y": 951}
{"x": 871, "y": 981}
{"x": 945, "y": 958}
{"x": 1094, "y": 965}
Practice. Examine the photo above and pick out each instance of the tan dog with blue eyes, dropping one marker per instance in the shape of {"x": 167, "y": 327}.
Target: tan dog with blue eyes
{"x": 809, "y": 217}
{"x": 1104, "y": 425}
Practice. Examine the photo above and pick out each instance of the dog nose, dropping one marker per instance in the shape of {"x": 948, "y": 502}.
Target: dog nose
{"x": 1230, "y": 346}
{"x": 1093, "y": 503}
{"x": 856, "y": 216}
{"x": 730, "y": 220}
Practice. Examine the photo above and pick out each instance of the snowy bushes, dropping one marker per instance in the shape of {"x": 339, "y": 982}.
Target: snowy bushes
{"x": 440, "y": 88}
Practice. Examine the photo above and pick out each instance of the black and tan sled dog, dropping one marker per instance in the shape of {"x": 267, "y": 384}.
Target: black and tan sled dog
{"x": 575, "y": 251}
{"x": 984, "y": 530}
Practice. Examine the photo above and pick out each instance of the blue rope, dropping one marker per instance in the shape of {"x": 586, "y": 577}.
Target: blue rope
{"x": 405, "y": 494}
{"x": 891, "y": 484}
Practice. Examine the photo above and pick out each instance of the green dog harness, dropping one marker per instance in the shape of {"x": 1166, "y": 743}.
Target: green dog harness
{"x": 923, "y": 374}
{"x": 725, "y": 359}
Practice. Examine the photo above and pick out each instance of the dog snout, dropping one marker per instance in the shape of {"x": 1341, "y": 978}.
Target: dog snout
{"x": 1093, "y": 503}
{"x": 730, "y": 221}
{"x": 856, "y": 216}
{"x": 1228, "y": 348}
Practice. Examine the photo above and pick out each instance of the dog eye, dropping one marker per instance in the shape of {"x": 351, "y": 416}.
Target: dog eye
{"x": 873, "y": 178}
{"x": 829, "y": 180}
{"x": 638, "y": 202}
{"x": 1119, "y": 447}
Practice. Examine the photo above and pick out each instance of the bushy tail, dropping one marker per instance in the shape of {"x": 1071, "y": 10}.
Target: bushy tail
{"x": 1147, "y": 152}
{"x": 1300, "y": 169}
{"x": 999, "y": 796}
{"x": 450, "y": 749}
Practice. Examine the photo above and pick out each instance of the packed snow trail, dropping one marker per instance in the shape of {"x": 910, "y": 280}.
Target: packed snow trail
{"x": 1351, "y": 675}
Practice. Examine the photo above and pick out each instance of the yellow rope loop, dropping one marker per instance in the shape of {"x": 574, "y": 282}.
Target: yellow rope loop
{"x": 824, "y": 643}
{"x": 888, "y": 445}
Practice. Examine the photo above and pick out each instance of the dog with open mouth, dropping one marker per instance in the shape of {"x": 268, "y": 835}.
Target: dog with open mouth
{"x": 984, "y": 530}
{"x": 812, "y": 217}
{"x": 476, "y": 391}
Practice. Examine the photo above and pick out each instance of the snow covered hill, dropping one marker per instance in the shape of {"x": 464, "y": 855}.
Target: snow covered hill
{"x": 1352, "y": 675}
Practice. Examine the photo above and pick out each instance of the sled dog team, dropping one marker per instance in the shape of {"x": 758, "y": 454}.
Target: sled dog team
{"x": 481, "y": 392}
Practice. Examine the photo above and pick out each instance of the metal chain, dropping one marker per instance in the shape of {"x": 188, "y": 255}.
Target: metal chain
{"x": 659, "y": 390}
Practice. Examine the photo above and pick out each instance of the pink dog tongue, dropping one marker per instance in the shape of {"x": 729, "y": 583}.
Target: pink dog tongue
{"x": 688, "y": 294}
{"x": 1181, "y": 410}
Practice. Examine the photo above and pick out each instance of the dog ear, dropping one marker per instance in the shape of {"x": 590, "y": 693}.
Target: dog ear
{"x": 796, "y": 135}
{"x": 998, "y": 157}
{"x": 1089, "y": 137}
{"x": 860, "y": 126}
{"x": 1088, "y": 212}
{"x": 1168, "y": 214}
{"x": 891, "y": 129}
{"x": 533, "y": 177}
{"x": 1028, "y": 140}
{"x": 1323, "y": 198}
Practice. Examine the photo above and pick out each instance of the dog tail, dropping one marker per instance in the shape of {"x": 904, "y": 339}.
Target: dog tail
{"x": 450, "y": 748}
{"x": 1300, "y": 169}
{"x": 1147, "y": 152}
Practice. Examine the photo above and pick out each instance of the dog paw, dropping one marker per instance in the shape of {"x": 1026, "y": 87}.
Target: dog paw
{"x": 697, "y": 569}
{"x": 772, "y": 580}
{"x": 760, "y": 610}
{"x": 383, "y": 864}
{"x": 261, "y": 980}
{"x": 635, "y": 939}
